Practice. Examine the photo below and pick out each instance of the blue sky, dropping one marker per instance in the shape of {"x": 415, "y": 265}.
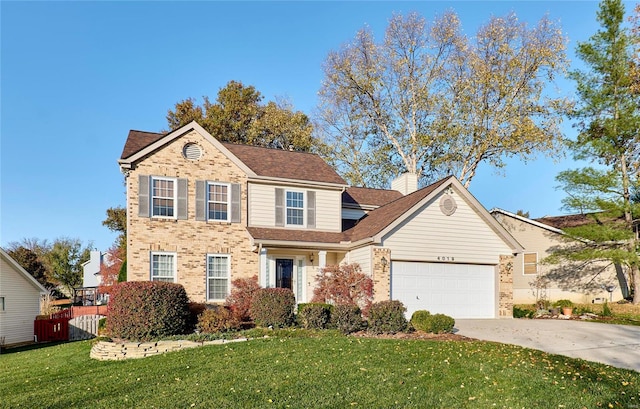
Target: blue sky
{"x": 77, "y": 76}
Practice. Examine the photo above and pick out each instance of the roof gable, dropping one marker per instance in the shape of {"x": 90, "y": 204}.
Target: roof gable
{"x": 523, "y": 219}
{"x": 255, "y": 161}
{"x": 17, "y": 267}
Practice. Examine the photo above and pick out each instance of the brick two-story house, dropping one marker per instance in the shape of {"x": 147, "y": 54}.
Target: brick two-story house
{"x": 201, "y": 213}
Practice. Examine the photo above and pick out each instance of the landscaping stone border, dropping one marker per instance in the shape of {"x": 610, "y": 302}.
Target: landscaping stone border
{"x": 116, "y": 351}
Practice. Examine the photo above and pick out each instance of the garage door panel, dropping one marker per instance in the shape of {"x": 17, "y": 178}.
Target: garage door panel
{"x": 458, "y": 290}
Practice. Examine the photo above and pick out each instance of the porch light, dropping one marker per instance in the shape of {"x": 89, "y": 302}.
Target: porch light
{"x": 311, "y": 257}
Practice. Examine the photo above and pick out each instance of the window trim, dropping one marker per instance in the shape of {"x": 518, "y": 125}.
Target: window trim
{"x": 175, "y": 265}
{"x": 3, "y": 305}
{"x": 175, "y": 197}
{"x": 227, "y": 278}
{"x": 525, "y": 264}
{"x": 228, "y": 202}
{"x": 304, "y": 208}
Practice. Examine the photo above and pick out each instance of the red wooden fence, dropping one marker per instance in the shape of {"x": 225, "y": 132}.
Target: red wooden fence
{"x": 51, "y": 330}
{"x": 56, "y": 328}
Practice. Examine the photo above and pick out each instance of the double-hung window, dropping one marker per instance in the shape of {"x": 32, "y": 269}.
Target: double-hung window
{"x": 295, "y": 208}
{"x": 218, "y": 199}
{"x": 530, "y": 263}
{"x": 218, "y": 269}
{"x": 163, "y": 267}
{"x": 163, "y": 197}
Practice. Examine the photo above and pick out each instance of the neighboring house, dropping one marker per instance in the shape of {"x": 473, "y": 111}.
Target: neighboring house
{"x": 90, "y": 294}
{"x": 532, "y": 280}
{"x": 202, "y": 213}
{"x": 20, "y": 296}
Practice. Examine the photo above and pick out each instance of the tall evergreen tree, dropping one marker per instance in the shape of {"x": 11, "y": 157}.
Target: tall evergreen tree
{"x": 608, "y": 120}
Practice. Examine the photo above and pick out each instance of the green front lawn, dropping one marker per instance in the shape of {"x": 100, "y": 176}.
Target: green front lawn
{"x": 322, "y": 371}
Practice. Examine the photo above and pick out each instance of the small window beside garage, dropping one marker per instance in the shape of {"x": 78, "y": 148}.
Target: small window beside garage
{"x": 530, "y": 263}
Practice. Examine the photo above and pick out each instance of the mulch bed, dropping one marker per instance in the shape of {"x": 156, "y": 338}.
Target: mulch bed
{"x": 415, "y": 335}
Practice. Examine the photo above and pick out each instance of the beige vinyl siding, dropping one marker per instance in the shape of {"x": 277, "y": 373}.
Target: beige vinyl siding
{"x": 541, "y": 241}
{"x": 22, "y": 305}
{"x": 429, "y": 235}
{"x": 262, "y": 199}
{"x": 362, "y": 256}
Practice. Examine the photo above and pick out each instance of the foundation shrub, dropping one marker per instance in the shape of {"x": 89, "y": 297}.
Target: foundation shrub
{"x": 273, "y": 307}
{"x": 195, "y": 309}
{"x": 146, "y": 310}
{"x": 314, "y": 315}
{"x": 218, "y": 318}
{"x": 347, "y": 318}
{"x": 343, "y": 284}
{"x": 239, "y": 300}
{"x": 419, "y": 320}
{"x": 440, "y": 324}
{"x": 387, "y": 317}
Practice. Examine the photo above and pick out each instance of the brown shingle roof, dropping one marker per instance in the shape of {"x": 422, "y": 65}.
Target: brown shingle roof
{"x": 562, "y": 222}
{"x": 311, "y": 236}
{"x": 279, "y": 163}
{"x": 378, "y": 219}
{"x": 262, "y": 161}
{"x": 367, "y": 196}
{"x": 138, "y": 140}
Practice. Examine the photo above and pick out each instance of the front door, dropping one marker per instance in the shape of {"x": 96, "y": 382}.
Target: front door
{"x": 284, "y": 273}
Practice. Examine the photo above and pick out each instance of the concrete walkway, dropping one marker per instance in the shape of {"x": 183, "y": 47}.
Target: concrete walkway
{"x": 615, "y": 345}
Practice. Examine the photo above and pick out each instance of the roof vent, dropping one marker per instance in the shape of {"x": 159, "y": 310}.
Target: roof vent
{"x": 192, "y": 151}
{"x": 448, "y": 205}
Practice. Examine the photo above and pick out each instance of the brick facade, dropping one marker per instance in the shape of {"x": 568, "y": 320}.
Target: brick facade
{"x": 381, "y": 274}
{"x": 505, "y": 290}
{"x": 191, "y": 240}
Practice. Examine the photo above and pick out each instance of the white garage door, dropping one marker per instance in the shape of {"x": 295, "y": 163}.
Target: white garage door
{"x": 457, "y": 290}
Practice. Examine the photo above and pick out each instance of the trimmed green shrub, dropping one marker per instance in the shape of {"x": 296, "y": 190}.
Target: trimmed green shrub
{"x": 239, "y": 300}
{"x": 387, "y": 317}
{"x": 419, "y": 320}
{"x": 273, "y": 307}
{"x": 314, "y": 316}
{"x": 146, "y": 310}
{"x": 440, "y": 324}
{"x": 218, "y": 318}
{"x": 522, "y": 312}
{"x": 606, "y": 310}
{"x": 347, "y": 318}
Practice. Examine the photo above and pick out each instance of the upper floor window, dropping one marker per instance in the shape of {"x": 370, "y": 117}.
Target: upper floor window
{"x": 218, "y": 201}
{"x": 163, "y": 267}
{"x": 530, "y": 263}
{"x": 295, "y": 208}
{"x": 163, "y": 197}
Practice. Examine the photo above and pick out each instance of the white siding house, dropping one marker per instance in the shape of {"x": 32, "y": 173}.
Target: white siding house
{"x": 20, "y": 295}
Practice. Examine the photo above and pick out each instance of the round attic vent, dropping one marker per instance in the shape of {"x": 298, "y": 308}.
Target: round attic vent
{"x": 448, "y": 205}
{"x": 192, "y": 151}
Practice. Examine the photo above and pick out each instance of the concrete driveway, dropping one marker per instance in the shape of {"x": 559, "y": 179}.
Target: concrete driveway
{"x": 615, "y": 345}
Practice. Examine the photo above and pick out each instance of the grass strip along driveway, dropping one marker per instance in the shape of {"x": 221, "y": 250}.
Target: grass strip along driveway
{"x": 321, "y": 371}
